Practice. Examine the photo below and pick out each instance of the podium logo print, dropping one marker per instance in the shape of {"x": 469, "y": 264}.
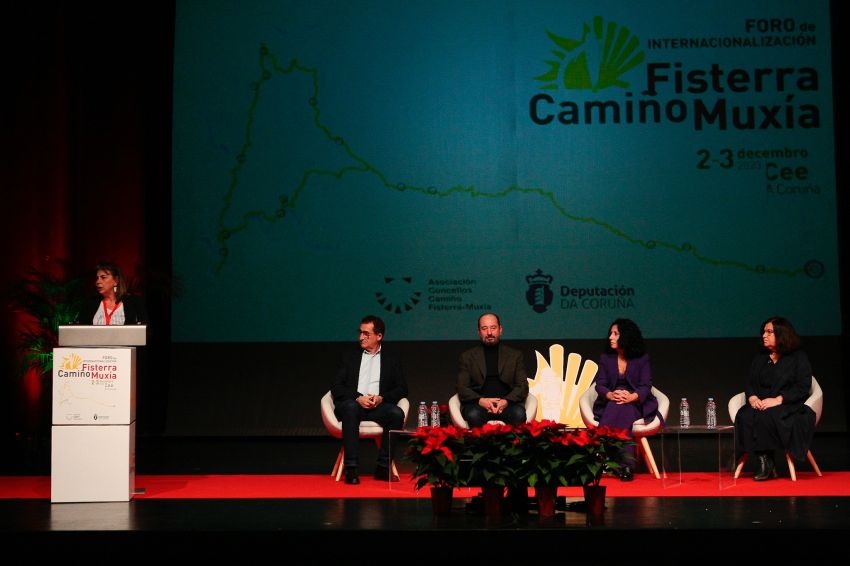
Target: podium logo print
{"x": 71, "y": 361}
{"x": 539, "y": 294}
{"x": 605, "y": 52}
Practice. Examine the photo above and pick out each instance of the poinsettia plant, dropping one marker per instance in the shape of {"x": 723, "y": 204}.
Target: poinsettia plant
{"x": 595, "y": 450}
{"x": 436, "y": 452}
{"x": 534, "y": 453}
{"x": 544, "y": 454}
{"x": 494, "y": 456}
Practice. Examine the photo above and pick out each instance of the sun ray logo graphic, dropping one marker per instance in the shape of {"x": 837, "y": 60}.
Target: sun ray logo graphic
{"x": 71, "y": 361}
{"x": 398, "y": 296}
{"x": 609, "y": 49}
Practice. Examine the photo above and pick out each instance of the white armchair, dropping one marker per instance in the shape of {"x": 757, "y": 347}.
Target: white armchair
{"x": 368, "y": 429}
{"x": 459, "y": 421}
{"x": 815, "y": 401}
{"x": 640, "y": 428}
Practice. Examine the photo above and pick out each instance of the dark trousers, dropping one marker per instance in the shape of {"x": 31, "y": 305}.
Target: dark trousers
{"x": 476, "y": 416}
{"x": 784, "y": 427}
{"x": 757, "y": 431}
{"x": 350, "y": 413}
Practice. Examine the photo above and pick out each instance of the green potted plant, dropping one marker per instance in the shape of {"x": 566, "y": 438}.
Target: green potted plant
{"x": 50, "y": 301}
{"x": 44, "y": 299}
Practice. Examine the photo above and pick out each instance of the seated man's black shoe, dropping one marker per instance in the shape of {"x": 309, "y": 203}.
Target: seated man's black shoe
{"x": 382, "y": 473}
{"x": 351, "y": 476}
{"x": 626, "y": 474}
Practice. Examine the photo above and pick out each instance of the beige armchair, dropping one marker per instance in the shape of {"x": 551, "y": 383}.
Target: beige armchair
{"x": 640, "y": 429}
{"x": 815, "y": 401}
{"x": 459, "y": 421}
{"x": 368, "y": 429}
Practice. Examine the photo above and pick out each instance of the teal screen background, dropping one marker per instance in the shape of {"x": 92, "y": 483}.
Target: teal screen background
{"x": 336, "y": 159}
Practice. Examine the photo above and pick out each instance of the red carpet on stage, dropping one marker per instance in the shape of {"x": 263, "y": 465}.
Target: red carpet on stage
{"x": 701, "y": 484}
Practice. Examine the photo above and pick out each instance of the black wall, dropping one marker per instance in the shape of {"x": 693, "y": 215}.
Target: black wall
{"x": 274, "y": 389}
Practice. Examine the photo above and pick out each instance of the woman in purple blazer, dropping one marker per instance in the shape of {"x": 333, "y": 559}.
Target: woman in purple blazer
{"x": 624, "y": 382}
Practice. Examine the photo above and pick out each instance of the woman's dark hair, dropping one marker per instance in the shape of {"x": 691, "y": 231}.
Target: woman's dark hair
{"x": 631, "y": 340}
{"x": 787, "y": 339}
{"x": 116, "y": 273}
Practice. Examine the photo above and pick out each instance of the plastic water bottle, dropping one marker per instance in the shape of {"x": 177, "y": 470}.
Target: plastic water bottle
{"x": 711, "y": 413}
{"x": 684, "y": 413}
{"x": 423, "y": 414}
{"x": 435, "y": 414}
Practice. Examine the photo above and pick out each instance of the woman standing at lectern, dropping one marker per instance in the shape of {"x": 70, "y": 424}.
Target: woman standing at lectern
{"x": 115, "y": 307}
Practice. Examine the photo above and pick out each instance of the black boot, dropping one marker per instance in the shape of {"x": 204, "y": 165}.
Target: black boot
{"x": 771, "y": 466}
{"x": 767, "y": 468}
{"x": 351, "y": 475}
{"x": 761, "y": 474}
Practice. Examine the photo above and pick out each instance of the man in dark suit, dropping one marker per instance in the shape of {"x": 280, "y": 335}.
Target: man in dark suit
{"x": 492, "y": 381}
{"x": 369, "y": 383}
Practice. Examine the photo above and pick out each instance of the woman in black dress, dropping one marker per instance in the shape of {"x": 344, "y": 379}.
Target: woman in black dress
{"x": 775, "y": 416}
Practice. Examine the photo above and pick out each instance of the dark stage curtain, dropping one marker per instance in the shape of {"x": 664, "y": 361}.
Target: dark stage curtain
{"x": 86, "y": 160}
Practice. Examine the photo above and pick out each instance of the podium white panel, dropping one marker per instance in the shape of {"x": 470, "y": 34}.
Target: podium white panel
{"x": 94, "y": 386}
{"x": 93, "y": 463}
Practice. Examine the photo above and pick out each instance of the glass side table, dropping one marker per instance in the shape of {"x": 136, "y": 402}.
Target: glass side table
{"x": 398, "y": 441}
{"x": 672, "y": 454}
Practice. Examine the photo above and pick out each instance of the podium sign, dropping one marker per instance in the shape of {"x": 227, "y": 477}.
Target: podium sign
{"x": 93, "y": 452}
{"x": 94, "y": 386}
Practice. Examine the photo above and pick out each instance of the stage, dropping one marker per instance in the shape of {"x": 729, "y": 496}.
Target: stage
{"x": 224, "y": 529}
{"x": 219, "y": 513}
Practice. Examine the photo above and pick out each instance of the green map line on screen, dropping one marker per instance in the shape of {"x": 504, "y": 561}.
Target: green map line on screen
{"x": 227, "y": 231}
